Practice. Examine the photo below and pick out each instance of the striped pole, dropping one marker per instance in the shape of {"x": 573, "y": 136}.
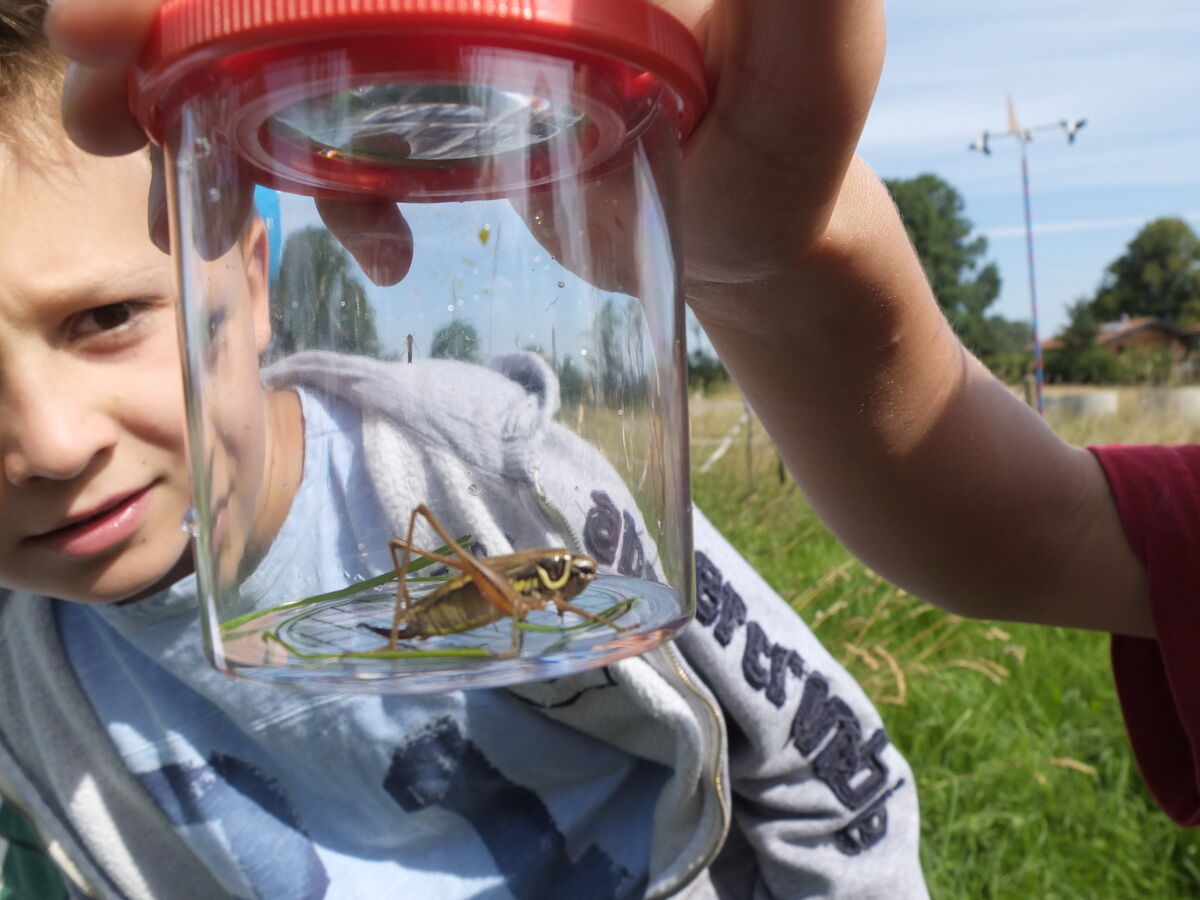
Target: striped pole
{"x": 1037, "y": 344}
{"x": 1023, "y": 136}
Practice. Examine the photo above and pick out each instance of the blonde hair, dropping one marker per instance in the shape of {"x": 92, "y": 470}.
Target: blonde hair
{"x": 31, "y": 74}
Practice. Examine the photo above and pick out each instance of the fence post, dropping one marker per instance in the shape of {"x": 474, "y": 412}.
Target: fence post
{"x": 1029, "y": 383}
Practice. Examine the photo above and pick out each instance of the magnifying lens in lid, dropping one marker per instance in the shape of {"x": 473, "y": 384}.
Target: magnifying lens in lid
{"x": 419, "y": 100}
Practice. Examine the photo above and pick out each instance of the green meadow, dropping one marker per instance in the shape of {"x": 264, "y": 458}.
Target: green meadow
{"x": 1027, "y": 785}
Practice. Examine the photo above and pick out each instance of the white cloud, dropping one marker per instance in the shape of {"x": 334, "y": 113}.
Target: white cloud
{"x": 1132, "y": 69}
{"x": 1124, "y": 223}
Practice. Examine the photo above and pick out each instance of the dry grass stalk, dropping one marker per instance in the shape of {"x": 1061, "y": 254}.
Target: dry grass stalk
{"x": 1065, "y": 762}
{"x": 901, "y": 696}
{"x": 986, "y": 667}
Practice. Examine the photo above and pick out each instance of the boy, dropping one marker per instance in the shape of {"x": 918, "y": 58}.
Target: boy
{"x": 922, "y": 463}
{"x": 150, "y": 775}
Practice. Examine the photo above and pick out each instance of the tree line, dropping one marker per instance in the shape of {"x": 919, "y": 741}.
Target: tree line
{"x": 1157, "y": 275}
{"x": 318, "y": 300}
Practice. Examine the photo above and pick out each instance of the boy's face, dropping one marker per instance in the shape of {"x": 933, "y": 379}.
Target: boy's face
{"x": 93, "y": 470}
{"x": 95, "y": 481}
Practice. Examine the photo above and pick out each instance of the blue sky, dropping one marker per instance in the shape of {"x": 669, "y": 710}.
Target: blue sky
{"x": 1132, "y": 69}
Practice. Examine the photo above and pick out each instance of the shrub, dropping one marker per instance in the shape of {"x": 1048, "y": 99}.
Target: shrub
{"x": 1010, "y": 367}
{"x": 705, "y": 372}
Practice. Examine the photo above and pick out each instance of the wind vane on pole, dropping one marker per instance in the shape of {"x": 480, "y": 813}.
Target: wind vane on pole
{"x": 1023, "y": 136}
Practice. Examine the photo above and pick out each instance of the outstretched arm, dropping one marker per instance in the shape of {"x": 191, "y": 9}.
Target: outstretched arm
{"x": 802, "y": 275}
{"x": 920, "y": 461}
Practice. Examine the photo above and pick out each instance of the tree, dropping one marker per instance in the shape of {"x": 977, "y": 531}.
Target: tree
{"x": 932, "y": 212}
{"x": 317, "y": 302}
{"x": 609, "y": 341}
{"x": 456, "y": 340}
{"x": 705, "y": 371}
{"x": 572, "y": 385}
{"x": 1158, "y": 275}
{"x": 1082, "y": 326}
{"x": 1079, "y": 360}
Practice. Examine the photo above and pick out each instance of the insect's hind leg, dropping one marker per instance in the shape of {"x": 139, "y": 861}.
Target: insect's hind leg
{"x": 403, "y": 598}
{"x": 491, "y": 585}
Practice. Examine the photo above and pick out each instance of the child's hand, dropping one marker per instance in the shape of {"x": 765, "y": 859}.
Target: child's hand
{"x": 792, "y": 81}
{"x": 102, "y": 38}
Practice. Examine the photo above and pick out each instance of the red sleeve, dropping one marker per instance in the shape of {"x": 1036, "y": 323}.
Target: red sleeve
{"x": 1157, "y": 490}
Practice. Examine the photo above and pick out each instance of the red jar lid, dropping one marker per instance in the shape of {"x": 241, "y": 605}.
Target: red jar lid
{"x": 621, "y": 46}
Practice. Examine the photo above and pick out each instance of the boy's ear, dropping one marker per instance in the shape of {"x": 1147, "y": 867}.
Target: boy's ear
{"x": 256, "y": 256}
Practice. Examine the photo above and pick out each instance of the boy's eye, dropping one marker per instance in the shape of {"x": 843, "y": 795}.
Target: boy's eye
{"x": 216, "y": 321}
{"x": 105, "y": 318}
{"x": 112, "y": 316}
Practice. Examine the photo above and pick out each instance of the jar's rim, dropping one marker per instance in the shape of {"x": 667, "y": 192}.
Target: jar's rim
{"x": 189, "y": 35}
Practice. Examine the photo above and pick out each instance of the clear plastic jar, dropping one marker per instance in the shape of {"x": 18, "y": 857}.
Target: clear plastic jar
{"x": 431, "y": 327}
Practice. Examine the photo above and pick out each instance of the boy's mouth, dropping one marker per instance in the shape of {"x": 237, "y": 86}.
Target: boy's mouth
{"x": 97, "y": 530}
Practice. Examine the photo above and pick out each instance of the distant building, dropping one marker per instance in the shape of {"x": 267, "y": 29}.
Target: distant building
{"x": 1147, "y": 333}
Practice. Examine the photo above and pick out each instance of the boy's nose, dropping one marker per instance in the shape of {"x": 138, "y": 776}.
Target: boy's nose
{"x": 51, "y": 434}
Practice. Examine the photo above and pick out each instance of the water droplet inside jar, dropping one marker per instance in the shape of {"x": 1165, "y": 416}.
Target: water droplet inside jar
{"x": 188, "y": 524}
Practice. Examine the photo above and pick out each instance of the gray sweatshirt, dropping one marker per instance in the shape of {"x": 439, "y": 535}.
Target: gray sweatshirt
{"x": 783, "y": 782}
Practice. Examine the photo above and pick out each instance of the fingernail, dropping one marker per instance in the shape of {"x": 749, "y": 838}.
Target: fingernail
{"x": 384, "y": 258}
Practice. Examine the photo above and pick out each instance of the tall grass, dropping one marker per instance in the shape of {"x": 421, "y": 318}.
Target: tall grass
{"x": 1027, "y": 784}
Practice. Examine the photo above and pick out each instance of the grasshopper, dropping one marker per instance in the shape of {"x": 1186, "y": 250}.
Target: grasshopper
{"x": 487, "y": 589}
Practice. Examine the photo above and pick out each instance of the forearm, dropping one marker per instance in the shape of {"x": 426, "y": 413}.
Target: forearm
{"x": 923, "y": 464}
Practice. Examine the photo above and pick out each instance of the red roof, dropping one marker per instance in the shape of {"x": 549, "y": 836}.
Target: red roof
{"x": 1114, "y": 331}
{"x": 1110, "y": 332}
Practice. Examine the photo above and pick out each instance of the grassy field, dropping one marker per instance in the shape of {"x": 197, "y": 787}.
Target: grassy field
{"x": 1028, "y": 788}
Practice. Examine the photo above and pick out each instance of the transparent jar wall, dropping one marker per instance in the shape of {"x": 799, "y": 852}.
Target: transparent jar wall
{"x": 524, "y": 379}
